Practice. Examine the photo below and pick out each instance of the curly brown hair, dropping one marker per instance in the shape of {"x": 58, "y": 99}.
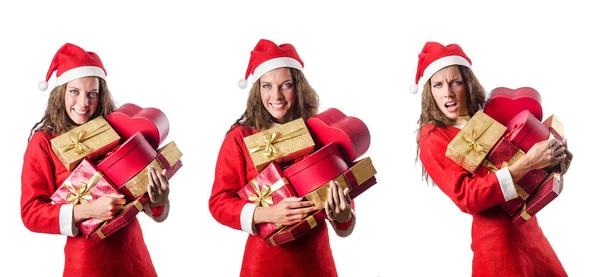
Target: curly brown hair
{"x": 57, "y": 121}
{"x": 431, "y": 113}
{"x": 256, "y": 115}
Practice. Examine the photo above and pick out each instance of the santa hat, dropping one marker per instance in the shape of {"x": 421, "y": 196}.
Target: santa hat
{"x": 267, "y": 56}
{"x": 72, "y": 62}
{"x": 434, "y": 57}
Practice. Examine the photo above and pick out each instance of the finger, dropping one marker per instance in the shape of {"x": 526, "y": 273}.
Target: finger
{"x": 330, "y": 199}
{"x": 155, "y": 180}
{"x": 151, "y": 193}
{"x": 164, "y": 182}
{"x": 327, "y": 212}
{"x": 336, "y": 198}
{"x": 347, "y": 196}
{"x": 301, "y": 211}
{"x": 297, "y": 205}
{"x": 342, "y": 199}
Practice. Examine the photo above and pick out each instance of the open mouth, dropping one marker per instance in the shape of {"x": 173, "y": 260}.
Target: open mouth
{"x": 80, "y": 112}
{"x": 278, "y": 106}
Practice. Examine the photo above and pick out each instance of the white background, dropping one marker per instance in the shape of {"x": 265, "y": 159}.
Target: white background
{"x": 361, "y": 59}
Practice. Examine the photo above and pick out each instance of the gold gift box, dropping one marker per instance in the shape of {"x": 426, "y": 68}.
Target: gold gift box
{"x": 472, "y": 144}
{"x": 362, "y": 170}
{"x": 279, "y": 144}
{"x": 138, "y": 185}
{"x": 554, "y": 123}
{"x": 92, "y": 139}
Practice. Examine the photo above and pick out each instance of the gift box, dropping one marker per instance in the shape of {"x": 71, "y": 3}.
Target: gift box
{"x": 545, "y": 193}
{"x": 268, "y": 188}
{"x": 504, "y": 103}
{"x": 293, "y": 232}
{"x": 279, "y": 144}
{"x": 471, "y": 145}
{"x": 316, "y": 169}
{"x": 127, "y": 161}
{"x": 350, "y": 134}
{"x": 505, "y": 154}
{"x": 357, "y": 175}
{"x": 130, "y": 119}
{"x": 124, "y": 217}
{"x": 168, "y": 158}
{"x": 90, "y": 140}
{"x": 524, "y": 130}
{"x": 85, "y": 184}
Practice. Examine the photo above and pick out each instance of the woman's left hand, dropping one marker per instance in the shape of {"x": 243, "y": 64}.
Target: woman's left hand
{"x": 338, "y": 205}
{"x": 158, "y": 187}
{"x": 564, "y": 165}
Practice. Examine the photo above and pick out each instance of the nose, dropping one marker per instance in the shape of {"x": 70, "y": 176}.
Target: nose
{"x": 83, "y": 100}
{"x": 448, "y": 91}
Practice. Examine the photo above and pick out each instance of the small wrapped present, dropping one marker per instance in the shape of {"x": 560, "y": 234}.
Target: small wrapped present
{"x": 268, "y": 188}
{"x": 362, "y": 172}
{"x": 293, "y": 232}
{"x": 279, "y": 144}
{"x": 124, "y": 217}
{"x": 316, "y": 169}
{"x": 85, "y": 184}
{"x": 90, "y": 140}
{"x": 542, "y": 196}
{"x": 471, "y": 145}
{"x": 168, "y": 158}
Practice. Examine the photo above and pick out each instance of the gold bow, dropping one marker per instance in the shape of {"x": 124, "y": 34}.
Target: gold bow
{"x": 268, "y": 148}
{"x": 263, "y": 195}
{"x": 471, "y": 139}
{"x": 81, "y": 193}
{"x": 83, "y": 135}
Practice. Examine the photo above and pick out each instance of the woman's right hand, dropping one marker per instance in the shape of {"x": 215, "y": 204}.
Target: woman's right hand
{"x": 543, "y": 154}
{"x": 289, "y": 211}
{"x": 103, "y": 208}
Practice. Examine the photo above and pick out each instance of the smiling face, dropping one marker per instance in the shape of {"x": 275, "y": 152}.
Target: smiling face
{"x": 449, "y": 91}
{"x": 278, "y": 94}
{"x": 81, "y": 98}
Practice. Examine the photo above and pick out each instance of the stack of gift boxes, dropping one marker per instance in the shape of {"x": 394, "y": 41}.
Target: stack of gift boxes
{"x": 112, "y": 155}
{"x": 300, "y": 159}
{"x": 509, "y": 125}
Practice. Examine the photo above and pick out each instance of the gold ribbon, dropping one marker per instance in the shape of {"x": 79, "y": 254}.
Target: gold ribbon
{"x": 472, "y": 138}
{"x": 268, "y": 148}
{"x": 77, "y": 141}
{"x": 263, "y": 197}
{"x": 520, "y": 191}
{"x": 524, "y": 213}
{"x": 81, "y": 193}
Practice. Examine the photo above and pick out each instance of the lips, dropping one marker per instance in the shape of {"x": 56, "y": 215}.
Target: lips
{"x": 80, "y": 112}
{"x": 278, "y": 106}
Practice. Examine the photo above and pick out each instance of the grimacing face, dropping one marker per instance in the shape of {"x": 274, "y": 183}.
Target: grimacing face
{"x": 82, "y": 96}
{"x": 278, "y": 94}
{"x": 449, "y": 91}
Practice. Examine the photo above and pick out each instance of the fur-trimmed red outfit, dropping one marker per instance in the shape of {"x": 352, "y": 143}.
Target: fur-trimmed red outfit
{"x": 123, "y": 253}
{"x": 500, "y": 248}
{"x": 310, "y": 255}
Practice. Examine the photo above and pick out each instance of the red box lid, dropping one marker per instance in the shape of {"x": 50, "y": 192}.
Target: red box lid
{"x": 311, "y": 159}
{"x": 136, "y": 145}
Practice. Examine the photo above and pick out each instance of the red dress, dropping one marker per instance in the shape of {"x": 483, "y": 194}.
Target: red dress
{"x": 500, "y": 248}
{"x": 310, "y": 255}
{"x": 123, "y": 253}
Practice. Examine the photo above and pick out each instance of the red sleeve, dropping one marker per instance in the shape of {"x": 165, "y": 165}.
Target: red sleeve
{"x": 230, "y": 176}
{"x": 471, "y": 194}
{"x": 37, "y": 185}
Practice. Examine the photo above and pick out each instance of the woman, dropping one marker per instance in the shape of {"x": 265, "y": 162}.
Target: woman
{"x": 280, "y": 94}
{"x": 451, "y": 95}
{"x": 80, "y": 95}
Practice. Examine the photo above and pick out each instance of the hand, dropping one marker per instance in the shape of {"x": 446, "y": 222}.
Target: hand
{"x": 564, "y": 165}
{"x": 158, "y": 187}
{"x": 289, "y": 211}
{"x": 338, "y": 205}
{"x": 546, "y": 153}
{"x": 107, "y": 206}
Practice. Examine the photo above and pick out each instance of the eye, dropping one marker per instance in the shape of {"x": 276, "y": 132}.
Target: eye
{"x": 74, "y": 92}
{"x": 436, "y": 85}
{"x": 266, "y": 86}
{"x": 93, "y": 94}
{"x": 288, "y": 85}
{"x": 458, "y": 82}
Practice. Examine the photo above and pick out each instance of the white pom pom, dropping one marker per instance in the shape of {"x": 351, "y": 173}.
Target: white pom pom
{"x": 43, "y": 85}
{"x": 242, "y": 83}
{"x": 413, "y": 89}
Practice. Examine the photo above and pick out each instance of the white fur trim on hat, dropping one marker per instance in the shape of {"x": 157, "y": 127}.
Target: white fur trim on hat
{"x": 441, "y": 63}
{"x": 273, "y": 64}
{"x": 78, "y": 72}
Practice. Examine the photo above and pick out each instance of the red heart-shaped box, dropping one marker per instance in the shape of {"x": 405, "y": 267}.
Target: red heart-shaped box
{"x": 130, "y": 118}
{"x": 349, "y": 133}
{"x": 504, "y": 103}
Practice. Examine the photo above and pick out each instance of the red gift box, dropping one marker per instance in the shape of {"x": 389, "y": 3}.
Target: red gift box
{"x": 524, "y": 130}
{"x": 124, "y": 217}
{"x": 545, "y": 193}
{"x": 85, "y": 184}
{"x": 130, "y": 119}
{"x": 131, "y": 157}
{"x": 504, "y": 103}
{"x": 316, "y": 169}
{"x": 349, "y": 133}
{"x": 268, "y": 188}
{"x": 293, "y": 232}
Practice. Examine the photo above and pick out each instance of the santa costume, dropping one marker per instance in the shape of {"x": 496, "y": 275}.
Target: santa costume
{"x": 309, "y": 255}
{"x": 123, "y": 253}
{"x": 500, "y": 248}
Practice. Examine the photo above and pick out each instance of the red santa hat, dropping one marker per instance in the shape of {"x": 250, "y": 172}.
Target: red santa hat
{"x": 72, "y": 62}
{"x": 434, "y": 57}
{"x": 267, "y": 56}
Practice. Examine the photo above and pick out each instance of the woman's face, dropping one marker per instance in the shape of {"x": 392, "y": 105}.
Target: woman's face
{"x": 278, "y": 94}
{"x": 81, "y": 98}
{"x": 450, "y": 91}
